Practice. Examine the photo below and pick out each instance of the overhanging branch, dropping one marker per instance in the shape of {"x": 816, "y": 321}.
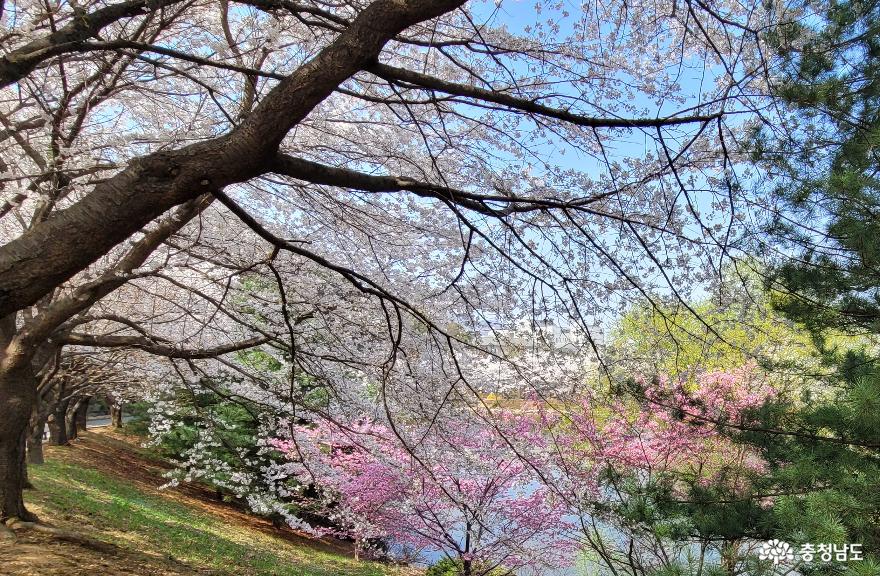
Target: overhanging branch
{"x": 424, "y": 81}
{"x": 497, "y": 205}
{"x": 20, "y": 62}
{"x": 157, "y": 348}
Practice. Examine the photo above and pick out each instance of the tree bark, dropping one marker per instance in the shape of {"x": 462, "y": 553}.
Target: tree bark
{"x": 18, "y": 395}
{"x": 116, "y": 415}
{"x": 81, "y": 416}
{"x": 58, "y": 424}
{"x": 35, "y": 438}
{"x": 25, "y": 479}
{"x": 46, "y": 403}
{"x": 70, "y": 426}
{"x": 467, "y": 563}
{"x": 35, "y": 448}
{"x": 70, "y": 420}
{"x": 57, "y": 431}
{"x": 76, "y": 418}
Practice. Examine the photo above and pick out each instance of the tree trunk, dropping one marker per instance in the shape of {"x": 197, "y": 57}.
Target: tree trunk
{"x": 116, "y": 415}
{"x": 57, "y": 424}
{"x": 76, "y": 418}
{"x": 35, "y": 440}
{"x": 35, "y": 449}
{"x": 18, "y": 395}
{"x": 70, "y": 422}
{"x": 729, "y": 557}
{"x": 25, "y": 479}
{"x": 81, "y": 417}
{"x": 467, "y": 563}
{"x": 45, "y": 407}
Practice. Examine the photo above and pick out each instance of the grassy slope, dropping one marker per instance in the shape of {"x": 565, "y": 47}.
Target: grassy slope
{"x": 86, "y": 485}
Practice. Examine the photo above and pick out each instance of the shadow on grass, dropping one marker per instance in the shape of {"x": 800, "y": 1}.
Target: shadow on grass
{"x": 132, "y": 519}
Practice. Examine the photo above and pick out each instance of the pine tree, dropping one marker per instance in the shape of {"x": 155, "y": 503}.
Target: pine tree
{"x": 822, "y": 164}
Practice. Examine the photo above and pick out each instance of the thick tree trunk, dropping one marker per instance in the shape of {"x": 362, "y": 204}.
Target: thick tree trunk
{"x": 75, "y": 419}
{"x": 18, "y": 395}
{"x": 70, "y": 421}
{"x": 35, "y": 449}
{"x": 25, "y": 479}
{"x": 46, "y": 403}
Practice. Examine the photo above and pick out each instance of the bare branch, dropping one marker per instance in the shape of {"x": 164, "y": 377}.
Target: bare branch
{"x": 154, "y": 347}
{"x": 424, "y": 81}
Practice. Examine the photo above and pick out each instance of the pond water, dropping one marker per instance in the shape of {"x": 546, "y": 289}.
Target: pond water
{"x": 433, "y": 556}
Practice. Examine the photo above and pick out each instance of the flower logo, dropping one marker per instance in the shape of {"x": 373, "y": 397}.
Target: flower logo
{"x": 776, "y": 550}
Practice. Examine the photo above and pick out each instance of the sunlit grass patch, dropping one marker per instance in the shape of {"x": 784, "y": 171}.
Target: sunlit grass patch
{"x": 113, "y": 510}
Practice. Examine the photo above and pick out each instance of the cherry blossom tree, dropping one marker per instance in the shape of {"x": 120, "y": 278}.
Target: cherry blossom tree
{"x": 407, "y": 155}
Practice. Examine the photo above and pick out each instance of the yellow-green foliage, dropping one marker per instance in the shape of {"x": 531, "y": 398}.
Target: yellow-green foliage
{"x": 675, "y": 341}
{"x": 679, "y": 341}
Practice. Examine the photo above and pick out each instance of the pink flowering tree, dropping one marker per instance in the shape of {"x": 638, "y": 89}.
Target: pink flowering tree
{"x": 616, "y": 476}
{"x": 654, "y": 473}
{"x": 665, "y": 426}
{"x": 461, "y": 493}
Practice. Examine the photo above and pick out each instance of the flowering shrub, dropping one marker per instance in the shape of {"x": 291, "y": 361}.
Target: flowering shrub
{"x": 655, "y": 469}
{"x": 666, "y": 427}
{"x": 462, "y": 493}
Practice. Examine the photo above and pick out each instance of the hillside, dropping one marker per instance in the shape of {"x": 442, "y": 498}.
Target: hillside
{"x": 105, "y": 488}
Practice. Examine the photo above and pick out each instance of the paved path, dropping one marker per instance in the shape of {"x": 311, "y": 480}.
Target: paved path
{"x": 101, "y": 421}
{"x": 92, "y": 422}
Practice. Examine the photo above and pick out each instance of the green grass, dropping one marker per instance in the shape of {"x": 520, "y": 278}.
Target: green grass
{"x": 131, "y": 518}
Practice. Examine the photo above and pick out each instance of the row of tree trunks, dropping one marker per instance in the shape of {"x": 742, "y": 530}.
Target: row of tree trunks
{"x": 66, "y": 421}
{"x": 74, "y": 417}
{"x": 26, "y": 414}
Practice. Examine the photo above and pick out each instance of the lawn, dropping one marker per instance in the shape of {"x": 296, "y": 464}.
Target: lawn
{"x": 136, "y": 516}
